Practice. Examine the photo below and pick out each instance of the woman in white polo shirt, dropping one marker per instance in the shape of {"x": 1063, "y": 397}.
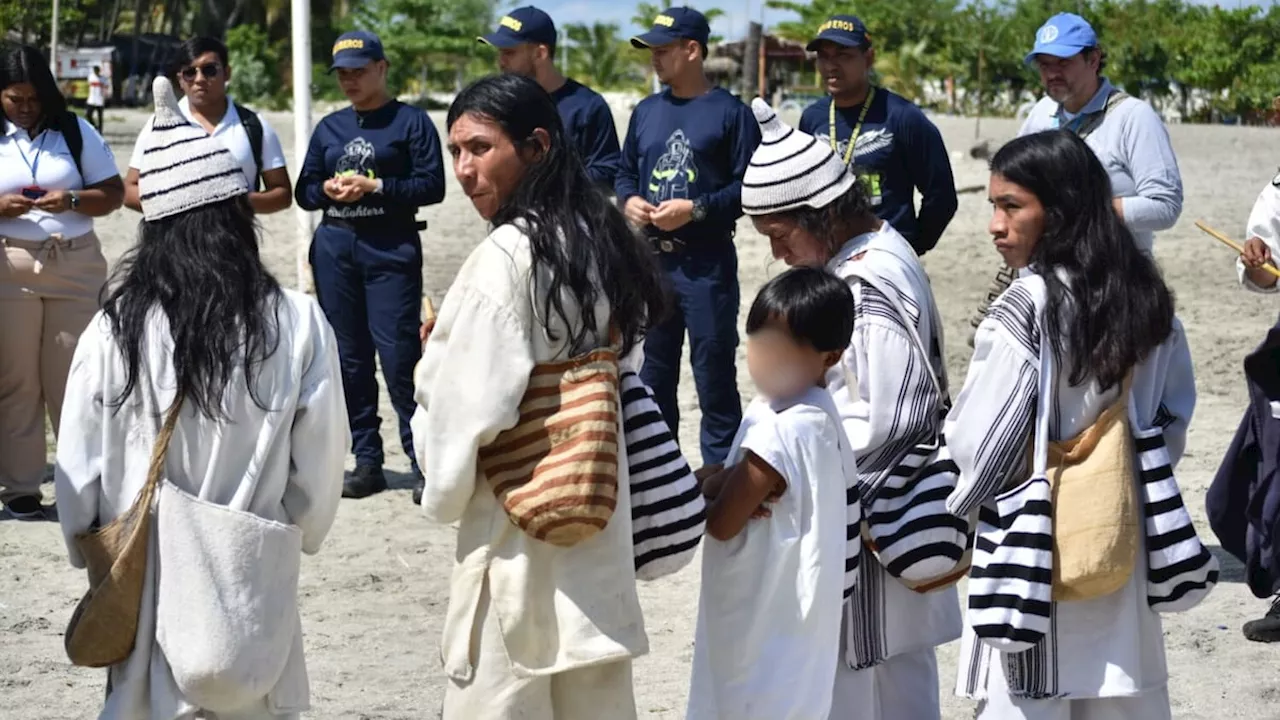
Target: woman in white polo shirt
{"x": 203, "y": 72}
{"x": 53, "y": 266}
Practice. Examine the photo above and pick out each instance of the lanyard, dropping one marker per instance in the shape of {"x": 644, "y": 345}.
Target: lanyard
{"x": 857, "y": 129}
{"x": 32, "y": 165}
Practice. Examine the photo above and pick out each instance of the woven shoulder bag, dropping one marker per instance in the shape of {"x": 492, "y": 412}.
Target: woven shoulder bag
{"x": 102, "y": 628}
{"x": 556, "y": 471}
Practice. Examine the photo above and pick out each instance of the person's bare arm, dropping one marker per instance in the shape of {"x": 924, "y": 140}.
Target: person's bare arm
{"x": 131, "y": 198}
{"x": 744, "y": 489}
{"x": 276, "y": 195}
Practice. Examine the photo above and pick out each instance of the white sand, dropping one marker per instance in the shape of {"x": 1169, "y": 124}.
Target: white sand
{"x": 374, "y": 599}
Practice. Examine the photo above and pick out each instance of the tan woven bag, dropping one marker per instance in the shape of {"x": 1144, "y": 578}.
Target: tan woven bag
{"x": 103, "y": 626}
{"x": 1096, "y": 529}
{"x": 556, "y": 471}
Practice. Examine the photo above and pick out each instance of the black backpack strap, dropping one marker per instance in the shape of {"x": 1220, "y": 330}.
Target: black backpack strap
{"x": 253, "y": 128}
{"x": 1115, "y": 98}
{"x": 69, "y": 125}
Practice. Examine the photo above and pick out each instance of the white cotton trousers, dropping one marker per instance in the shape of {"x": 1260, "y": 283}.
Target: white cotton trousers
{"x": 999, "y": 705}
{"x": 900, "y": 688}
{"x": 495, "y": 693}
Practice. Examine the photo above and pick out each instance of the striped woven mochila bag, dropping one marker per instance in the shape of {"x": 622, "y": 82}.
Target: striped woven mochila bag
{"x": 556, "y": 471}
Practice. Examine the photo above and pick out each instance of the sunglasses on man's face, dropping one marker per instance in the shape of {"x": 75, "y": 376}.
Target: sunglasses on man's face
{"x": 209, "y": 70}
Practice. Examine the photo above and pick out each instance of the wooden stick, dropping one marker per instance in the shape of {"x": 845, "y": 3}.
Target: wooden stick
{"x": 428, "y": 310}
{"x": 1233, "y": 245}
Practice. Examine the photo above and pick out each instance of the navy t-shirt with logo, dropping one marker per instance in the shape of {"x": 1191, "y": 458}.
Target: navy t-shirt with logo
{"x": 396, "y": 143}
{"x": 689, "y": 148}
{"x": 898, "y": 151}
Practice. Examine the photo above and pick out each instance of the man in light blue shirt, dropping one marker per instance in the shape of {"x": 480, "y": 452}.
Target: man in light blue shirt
{"x": 1126, "y": 134}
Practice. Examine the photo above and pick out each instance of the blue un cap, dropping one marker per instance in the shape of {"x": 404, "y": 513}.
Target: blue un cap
{"x": 522, "y": 25}
{"x": 356, "y": 49}
{"x": 672, "y": 24}
{"x": 846, "y": 30}
{"x": 1064, "y": 35}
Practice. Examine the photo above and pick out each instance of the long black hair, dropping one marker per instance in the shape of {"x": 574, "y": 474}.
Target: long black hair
{"x": 576, "y": 234}
{"x": 202, "y": 269}
{"x": 26, "y": 64}
{"x": 1119, "y": 306}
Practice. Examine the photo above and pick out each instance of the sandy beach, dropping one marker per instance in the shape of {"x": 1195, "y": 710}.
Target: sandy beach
{"x": 374, "y": 599}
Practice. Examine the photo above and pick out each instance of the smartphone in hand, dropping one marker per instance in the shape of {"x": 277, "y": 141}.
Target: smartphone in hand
{"x": 31, "y": 192}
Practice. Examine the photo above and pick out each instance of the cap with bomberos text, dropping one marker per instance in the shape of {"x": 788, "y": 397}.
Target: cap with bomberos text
{"x": 522, "y": 25}
{"x": 678, "y": 23}
{"x": 356, "y": 49}
{"x": 846, "y": 30}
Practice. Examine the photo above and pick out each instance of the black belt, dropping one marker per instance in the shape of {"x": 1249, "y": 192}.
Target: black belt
{"x": 371, "y": 224}
{"x": 669, "y": 244}
{"x": 666, "y": 244}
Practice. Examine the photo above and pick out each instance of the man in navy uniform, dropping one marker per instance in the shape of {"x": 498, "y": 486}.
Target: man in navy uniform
{"x": 884, "y": 137}
{"x": 680, "y": 181}
{"x": 526, "y": 43}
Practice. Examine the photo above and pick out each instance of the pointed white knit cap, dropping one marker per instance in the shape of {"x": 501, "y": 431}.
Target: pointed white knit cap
{"x": 790, "y": 169}
{"x": 182, "y": 166}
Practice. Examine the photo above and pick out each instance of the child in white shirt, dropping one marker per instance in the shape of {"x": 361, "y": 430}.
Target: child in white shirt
{"x": 774, "y": 567}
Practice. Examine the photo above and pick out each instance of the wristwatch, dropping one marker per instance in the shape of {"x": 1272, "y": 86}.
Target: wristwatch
{"x": 699, "y": 210}
{"x": 75, "y": 199}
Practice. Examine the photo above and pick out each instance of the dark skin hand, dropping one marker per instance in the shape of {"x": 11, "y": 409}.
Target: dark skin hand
{"x": 738, "y": 493}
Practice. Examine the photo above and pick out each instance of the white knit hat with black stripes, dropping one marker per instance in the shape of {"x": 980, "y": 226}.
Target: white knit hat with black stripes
{"x": 790, "y": 169}
{"x": 183, "y": 167}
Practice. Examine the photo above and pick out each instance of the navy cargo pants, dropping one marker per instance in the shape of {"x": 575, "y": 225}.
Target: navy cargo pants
{"x": 705, "y": 296}
{"x": 369, "y": 283}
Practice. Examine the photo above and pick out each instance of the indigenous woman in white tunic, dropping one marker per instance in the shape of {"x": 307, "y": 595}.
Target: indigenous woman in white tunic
{"x": 533, "y": 630}
{"x": 888, "y": 404}
{"x": 773, "y": 578}
{"x": 193, "y": 318}
{"x": 1107, "y": 313}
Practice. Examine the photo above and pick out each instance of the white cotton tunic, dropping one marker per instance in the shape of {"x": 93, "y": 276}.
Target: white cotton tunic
{"x": 1112, "y": 646}
{"x": 284, "y": 464}
{"x": 1264, "y": 223}
{"x": 558, "y": 608}
{"x": 888, "y": 405}
{"x": 769, "y": 611}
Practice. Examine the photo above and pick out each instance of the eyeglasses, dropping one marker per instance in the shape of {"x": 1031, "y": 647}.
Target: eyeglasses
{"x": 209, "y": 70}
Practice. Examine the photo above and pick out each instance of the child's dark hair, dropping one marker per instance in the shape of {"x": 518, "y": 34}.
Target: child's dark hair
{"x": 816, "y": 305}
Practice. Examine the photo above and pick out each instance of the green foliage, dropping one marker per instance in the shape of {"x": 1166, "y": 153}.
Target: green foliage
{"x": 420, "y": 36}
{"x": 596, "y": 54}
{"x": 1155, "y": 47}
{"x": 255, "y": 65}
{"x": 1174, "y": 50}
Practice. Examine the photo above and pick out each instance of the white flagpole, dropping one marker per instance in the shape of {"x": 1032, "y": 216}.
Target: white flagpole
{"x": 301, "y": 17}
{"x": 53, "y": 43}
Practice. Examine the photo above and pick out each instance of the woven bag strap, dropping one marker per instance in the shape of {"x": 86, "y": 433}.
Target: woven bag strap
{"x": 160, "y": 452}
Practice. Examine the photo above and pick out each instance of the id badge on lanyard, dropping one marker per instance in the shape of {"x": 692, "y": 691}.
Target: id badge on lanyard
{"x": 34, "y": 191}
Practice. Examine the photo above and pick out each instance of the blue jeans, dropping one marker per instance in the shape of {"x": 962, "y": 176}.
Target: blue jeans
{"x": 705, "y": 295}
{"x": 370, "y": 288}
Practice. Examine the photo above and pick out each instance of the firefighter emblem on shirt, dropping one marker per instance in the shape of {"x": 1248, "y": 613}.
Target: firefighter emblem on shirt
{"x": 675, "y": 170}
{"x": 357, "y": 159}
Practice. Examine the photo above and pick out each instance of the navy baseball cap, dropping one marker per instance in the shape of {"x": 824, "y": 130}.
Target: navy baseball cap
{"x": 356, "y": 49}
{"x": 672, "y": 24}
{"x": 522, "y": 25}
{"x": 1064, "y": 35}
{"x": 846, "y": 30}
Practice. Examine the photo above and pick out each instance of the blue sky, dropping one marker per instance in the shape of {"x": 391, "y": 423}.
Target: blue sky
{"x": 732, "y": 25}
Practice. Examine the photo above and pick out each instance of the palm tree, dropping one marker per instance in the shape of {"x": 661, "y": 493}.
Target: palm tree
{"x": 595, "y": 55}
